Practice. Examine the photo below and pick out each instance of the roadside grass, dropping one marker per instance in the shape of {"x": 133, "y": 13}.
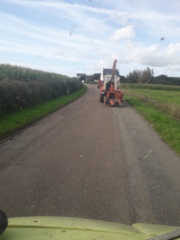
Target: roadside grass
{"x": 167, "y": 102}
{"x": 11, "y": 123}
{"x": 163, "y": 96}
{"x": 165, "y": 125}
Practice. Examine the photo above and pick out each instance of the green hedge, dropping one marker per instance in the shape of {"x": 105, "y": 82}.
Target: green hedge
{"x": 23, "y": 88}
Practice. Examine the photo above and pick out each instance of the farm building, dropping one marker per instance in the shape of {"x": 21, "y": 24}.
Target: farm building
{"x": 79, "y": 75}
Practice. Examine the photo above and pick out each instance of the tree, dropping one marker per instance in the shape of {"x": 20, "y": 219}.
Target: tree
{"x": 162, "y": 79}
{"x": 133, "y": 77}
{"x": 96, "y": 76}
{"x": 122, "y": 79}
{"x": 137, "y": 76}
{"x": 146, "y": 75}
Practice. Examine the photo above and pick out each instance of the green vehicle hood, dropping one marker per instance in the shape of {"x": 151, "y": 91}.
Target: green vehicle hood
{"x": 54, "y": 228}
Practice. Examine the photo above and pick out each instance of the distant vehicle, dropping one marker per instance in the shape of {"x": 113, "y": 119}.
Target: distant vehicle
{"x": 109, "y": 87}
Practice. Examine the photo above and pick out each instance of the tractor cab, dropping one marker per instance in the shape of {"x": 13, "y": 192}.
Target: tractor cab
{"x": 106, "y": 76}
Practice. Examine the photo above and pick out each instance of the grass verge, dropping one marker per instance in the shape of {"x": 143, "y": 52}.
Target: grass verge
{"x": 166, "y": 127}
{"x": 11, "y": 123}
{"x": 168, "y": 103}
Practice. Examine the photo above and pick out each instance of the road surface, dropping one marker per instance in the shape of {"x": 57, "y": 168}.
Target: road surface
{"x": 91, "y": 161}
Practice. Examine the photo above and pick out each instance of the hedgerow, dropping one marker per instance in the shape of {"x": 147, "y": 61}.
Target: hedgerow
{"x": 23, "y": 87}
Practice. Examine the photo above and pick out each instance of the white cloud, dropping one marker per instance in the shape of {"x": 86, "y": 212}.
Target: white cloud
{"x": 164, "y": 60}
{"x": 89, "y": 35}
{"x": 125, "y": 32}
{"x": 119, "y": 17}
{"x": 61, "y": 5}
{"x": 155, "y": 55}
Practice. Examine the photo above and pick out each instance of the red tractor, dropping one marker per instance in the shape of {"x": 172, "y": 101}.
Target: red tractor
{"x": 109, "y": 89}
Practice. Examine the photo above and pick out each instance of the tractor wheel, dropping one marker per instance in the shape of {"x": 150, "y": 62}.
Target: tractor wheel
{"x": 101, "y": 98}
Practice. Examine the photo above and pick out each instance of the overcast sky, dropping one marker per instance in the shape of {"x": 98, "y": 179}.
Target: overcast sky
{"x": 84, "y": 36}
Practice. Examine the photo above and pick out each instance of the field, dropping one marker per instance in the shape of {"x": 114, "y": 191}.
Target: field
{"x": 171, "y": 97}
{"x": 161, "y": 107}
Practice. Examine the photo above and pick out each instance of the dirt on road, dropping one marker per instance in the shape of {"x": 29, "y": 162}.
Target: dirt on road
{"x": 91, "y": 161}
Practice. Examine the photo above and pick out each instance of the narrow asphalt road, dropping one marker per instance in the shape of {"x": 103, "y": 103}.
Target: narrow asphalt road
{"x": 91, "y": 161}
